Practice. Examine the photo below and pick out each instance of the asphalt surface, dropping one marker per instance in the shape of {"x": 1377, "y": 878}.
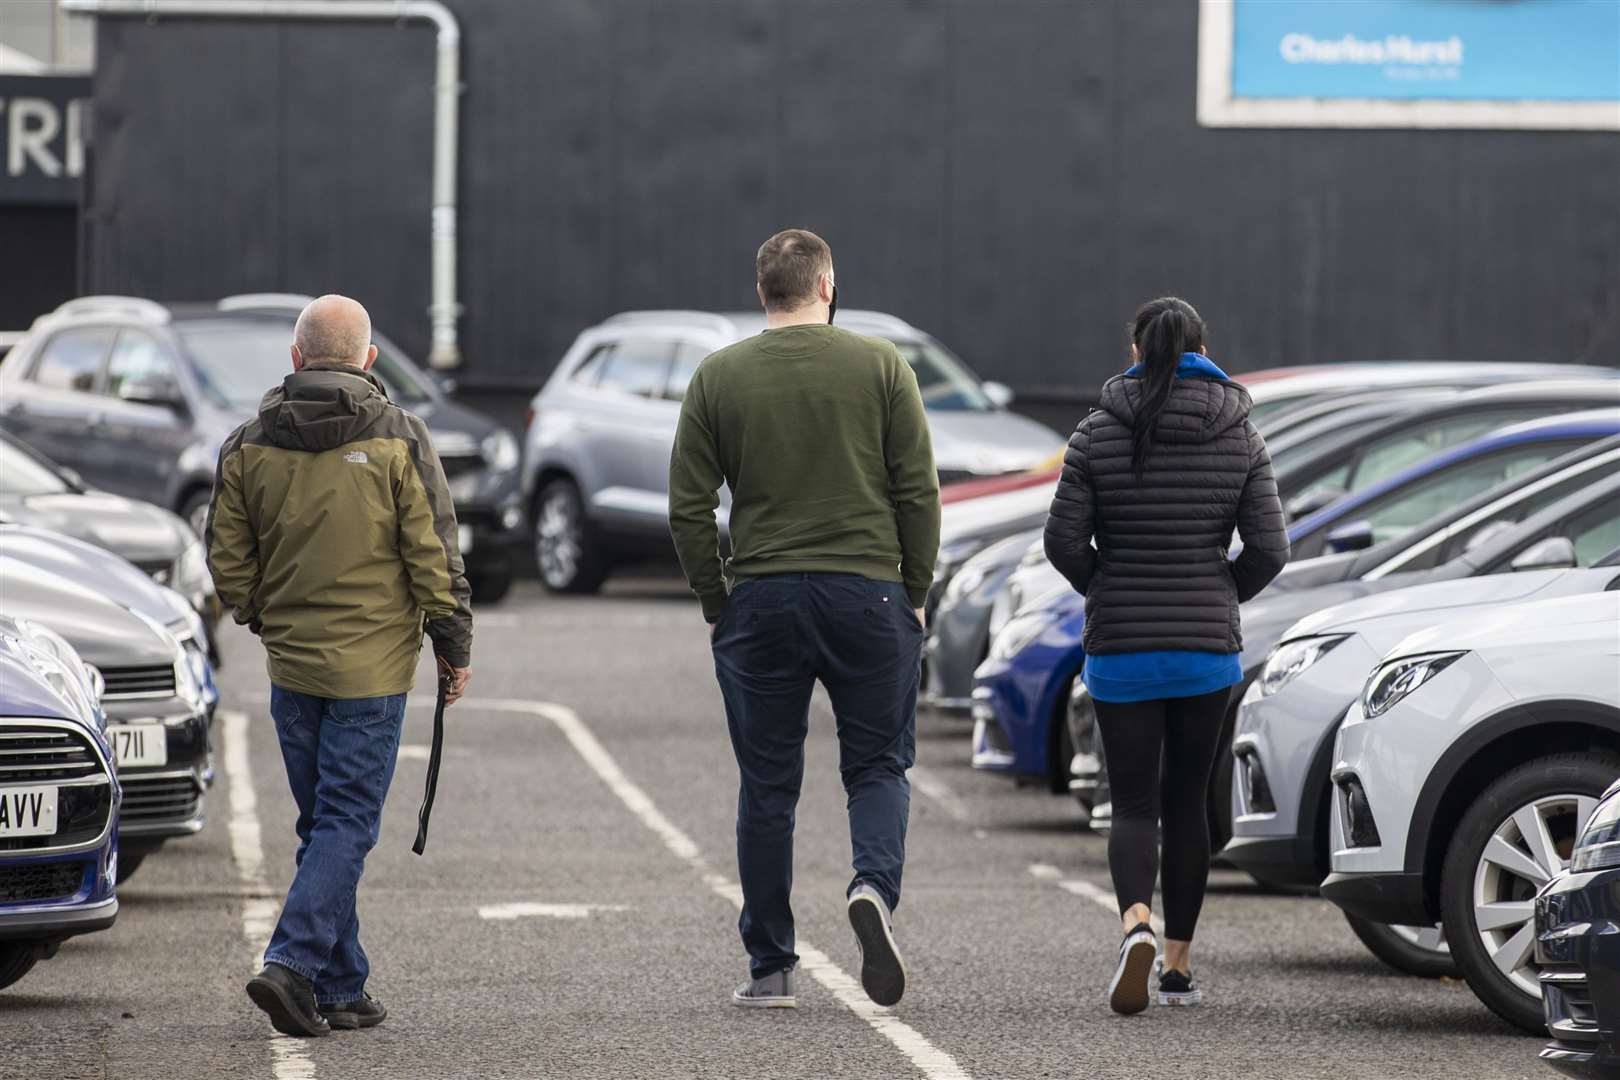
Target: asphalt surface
{"x": 612, "y": 818}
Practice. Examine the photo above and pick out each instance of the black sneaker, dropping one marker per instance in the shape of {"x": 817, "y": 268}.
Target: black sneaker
{"x": 289, "y": 1000}
{"x": 363, "y": 1012}
{"x": 1128, "y": 992}
{"x": 1178, "y": 989}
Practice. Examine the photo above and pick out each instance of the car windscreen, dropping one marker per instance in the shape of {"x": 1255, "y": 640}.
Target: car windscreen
{"x": 944, "y": 383}
{"x": 237, "y": 361}
{"x": 20, "y": 474}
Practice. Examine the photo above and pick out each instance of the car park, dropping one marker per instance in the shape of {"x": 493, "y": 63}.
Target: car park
{"x": 59, "y": 801}
{"x": 158, "y": 387}
{"x": 1578, "y": 949}
{"x": 1289, "y": 716}
{"x": 1506, "y": 725}
{"x": 35, "y": 492}
{"x": 596, "y": 453}
{"x": 156, "y": 708}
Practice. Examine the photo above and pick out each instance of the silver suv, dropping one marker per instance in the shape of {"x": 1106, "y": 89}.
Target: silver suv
{"x": 596, "y": 454}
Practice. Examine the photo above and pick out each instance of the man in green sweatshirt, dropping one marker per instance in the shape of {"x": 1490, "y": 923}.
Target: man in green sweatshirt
{"x": 821, "y": 436}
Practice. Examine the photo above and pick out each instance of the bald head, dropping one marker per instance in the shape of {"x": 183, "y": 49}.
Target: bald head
{"x": 333, "y": 330}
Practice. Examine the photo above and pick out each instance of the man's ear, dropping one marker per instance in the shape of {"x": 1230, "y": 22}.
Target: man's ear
{"x": 298, "y": 359}
{"x": 759, "y": 292}
{"x": 824, "y": 288}
{"x": 371, "y": 358}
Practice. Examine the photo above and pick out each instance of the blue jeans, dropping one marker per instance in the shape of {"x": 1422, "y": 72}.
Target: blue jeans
{"x": 340, "y": 759}
{"x": 776, "y": 638}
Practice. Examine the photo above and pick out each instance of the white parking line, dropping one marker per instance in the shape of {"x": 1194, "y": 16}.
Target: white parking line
{"x": 1080, "y": 887}
{"x": 527, "y": 909}
{"x": 932, "y": 1062}
{"x": 288, "y": 1059}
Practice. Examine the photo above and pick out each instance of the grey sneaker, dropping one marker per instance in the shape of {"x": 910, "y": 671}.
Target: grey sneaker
{"x": 883, "y": 972}
{"x": 1128, "y": 990}
{"x": 774, "y": 991}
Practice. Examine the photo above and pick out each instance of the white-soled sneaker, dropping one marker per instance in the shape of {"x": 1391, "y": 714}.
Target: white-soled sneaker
{"x": 1177, "y": 989}
{"x": 883, "y": 972}
{"x": 774, "y": 991}
{"x": 1128, "y": 990}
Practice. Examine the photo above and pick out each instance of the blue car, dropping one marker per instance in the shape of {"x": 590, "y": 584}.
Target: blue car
{"x": 59, "y": 801}
{"x": 1021, "y": 692}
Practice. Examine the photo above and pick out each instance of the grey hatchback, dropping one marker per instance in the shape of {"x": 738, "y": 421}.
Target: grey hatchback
{"x": 137, "y": 396}
{"x": 596, "y": 455}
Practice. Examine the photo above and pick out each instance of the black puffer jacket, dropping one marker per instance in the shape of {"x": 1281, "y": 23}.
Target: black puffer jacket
{"x": 1159, "y": 577}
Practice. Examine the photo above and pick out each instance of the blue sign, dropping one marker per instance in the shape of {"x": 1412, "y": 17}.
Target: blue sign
{"x": 1406, "y": 50}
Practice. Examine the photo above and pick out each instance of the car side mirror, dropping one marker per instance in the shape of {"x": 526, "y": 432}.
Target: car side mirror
{"x": 1553, "y": 553}
{"x": 1309, "y": 502}
{"x": 1000, "y": 394}
{"x": 71, "y": 477}
{"x": 1484, "y": 536}
{"x": 164, "y": 392}
{"x": 1356, "y": 536}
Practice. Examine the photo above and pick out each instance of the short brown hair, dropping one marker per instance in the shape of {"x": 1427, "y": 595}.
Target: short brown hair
{"x": 787, "y": 267}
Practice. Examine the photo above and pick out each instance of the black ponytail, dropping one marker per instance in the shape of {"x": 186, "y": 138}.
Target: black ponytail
{"x": 1162, "y": 330}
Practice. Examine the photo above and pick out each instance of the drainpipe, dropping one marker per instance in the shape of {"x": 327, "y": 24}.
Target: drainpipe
{"x": 446, "y": 352}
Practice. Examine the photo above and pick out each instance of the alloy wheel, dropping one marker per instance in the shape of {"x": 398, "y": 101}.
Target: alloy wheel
{"x": 559, "y": 539}
{"x": 1522, "y": 855}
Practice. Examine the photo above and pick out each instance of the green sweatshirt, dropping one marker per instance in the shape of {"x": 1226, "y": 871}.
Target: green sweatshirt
{"x": 820, "y": 435}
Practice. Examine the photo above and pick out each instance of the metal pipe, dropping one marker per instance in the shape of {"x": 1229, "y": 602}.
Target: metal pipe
{"x": 444, "y": 309}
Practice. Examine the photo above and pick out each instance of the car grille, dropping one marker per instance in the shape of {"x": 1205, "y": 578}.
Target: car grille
{"x": 40, "y": 881}
{"x": 1567, "y": 997}
{"x": 159, "y": 799}
{"x": 45, "y": 755}
{"x": 460, "y": 464}
{"x": 153, "y": 681}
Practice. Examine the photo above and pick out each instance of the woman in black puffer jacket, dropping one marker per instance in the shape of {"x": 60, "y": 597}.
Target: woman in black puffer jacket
{"x": 1159, "y": 477}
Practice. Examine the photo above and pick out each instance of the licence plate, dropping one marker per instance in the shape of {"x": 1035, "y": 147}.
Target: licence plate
{"x": 464, "y": 538}
{"x": 139, "y": 745}
{"x": 29, "y": 811}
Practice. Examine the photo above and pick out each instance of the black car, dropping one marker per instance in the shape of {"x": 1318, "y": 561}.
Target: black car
{"x": 1578, "y": 949}
{"x": 137, "y": 396}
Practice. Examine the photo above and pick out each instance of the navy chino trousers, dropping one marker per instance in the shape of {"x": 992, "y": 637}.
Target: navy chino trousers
{"x": 778, "y": 636}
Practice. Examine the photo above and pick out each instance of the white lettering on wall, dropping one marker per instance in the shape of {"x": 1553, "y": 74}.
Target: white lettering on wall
{"x": 1300, "y": 48}
{"x": 33, "y": 123}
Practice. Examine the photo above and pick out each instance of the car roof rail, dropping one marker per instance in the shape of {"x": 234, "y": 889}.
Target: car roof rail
{"x": 706, "y": 319}
{"x": 131, "y": 306}
{"x": 262, "y": 300}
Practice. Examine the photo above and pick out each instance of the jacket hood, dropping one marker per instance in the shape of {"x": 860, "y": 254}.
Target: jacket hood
{"x": 322, "y": 407}
{"x": 1203, "y": 402}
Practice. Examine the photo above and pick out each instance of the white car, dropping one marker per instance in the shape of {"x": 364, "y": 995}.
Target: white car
{"x": 1289, "y": 716}
{"x": 1463, "y": 773}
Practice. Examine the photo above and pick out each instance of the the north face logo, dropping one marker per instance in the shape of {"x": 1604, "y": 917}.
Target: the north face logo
{"x": 356, "y": 457}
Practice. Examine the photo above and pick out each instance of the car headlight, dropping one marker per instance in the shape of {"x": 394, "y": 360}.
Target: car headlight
{"x": 1290, "y": 659}
{"x": 191, "y": 577}
{"x": 1599, "y": 845}
{"x": 1391, "y": 682}
{"x": 500, "y": 450}
{"x": 965, "y": 581}
{"x": 1019, "y": 632}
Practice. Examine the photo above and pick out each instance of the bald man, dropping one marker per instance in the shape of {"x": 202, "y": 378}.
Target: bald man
{"x": 332, "y": 537}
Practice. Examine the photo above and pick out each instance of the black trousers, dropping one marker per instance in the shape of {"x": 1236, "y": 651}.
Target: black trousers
{"x": 778, "y": 637}
{"x": 1160, "y": 756}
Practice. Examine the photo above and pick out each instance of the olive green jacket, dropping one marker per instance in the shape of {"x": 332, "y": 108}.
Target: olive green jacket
{"x": 333, "y": 537}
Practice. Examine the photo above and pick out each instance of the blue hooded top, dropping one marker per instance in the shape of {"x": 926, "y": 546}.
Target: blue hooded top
{"x": 1164, "y": 673}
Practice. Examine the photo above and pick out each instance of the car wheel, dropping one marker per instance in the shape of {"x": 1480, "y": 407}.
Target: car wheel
{"x": 570, "y": 561}
{"x": 16, "y": 960}
{"x": 194, "y": 509}
{"x": 491, "y": 581}
{"x": 1514, "y": 837}
{"x": 1411, "y": 950}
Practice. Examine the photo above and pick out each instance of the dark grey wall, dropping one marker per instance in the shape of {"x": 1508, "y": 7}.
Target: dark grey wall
{"x": 1014, "y": 175}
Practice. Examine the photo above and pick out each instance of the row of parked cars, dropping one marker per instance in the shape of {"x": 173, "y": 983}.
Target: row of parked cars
{"x": 1430, "y": 712}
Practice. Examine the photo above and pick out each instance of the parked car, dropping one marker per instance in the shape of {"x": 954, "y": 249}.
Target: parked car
{"x": 157, "y": 711}
{"x": 1288, "y": 718}
{"x": 1351, "y": 460}
{"x": 1024, "y": 689}
{"x": 158, "y": 387}
{"x": 596, "y": 455}
{"x": 959, "y": 627}
{"x": 120, "y": 581}
{"x": 59, "y": 802}
{"x": 1578, "y": 949}
{"x": 35, "y": 492}
{"x": 1506, "y": 726}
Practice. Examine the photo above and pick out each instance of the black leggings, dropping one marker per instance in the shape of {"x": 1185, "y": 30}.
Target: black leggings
{"x": 1186, "y": 733}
